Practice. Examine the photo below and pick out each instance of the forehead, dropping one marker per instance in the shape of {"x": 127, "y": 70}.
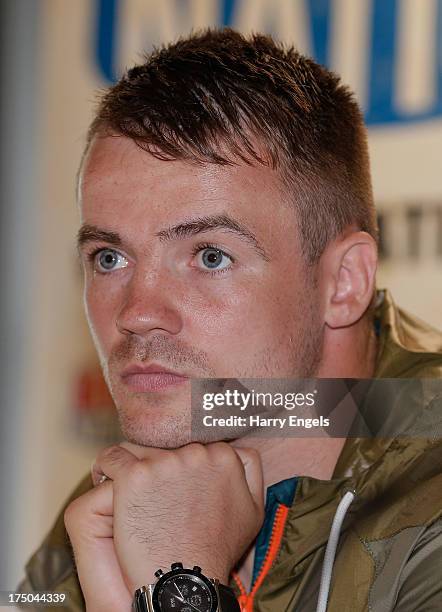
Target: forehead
{"x": 119, "y": 178}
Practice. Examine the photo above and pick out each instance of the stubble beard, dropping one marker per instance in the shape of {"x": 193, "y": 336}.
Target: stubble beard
{"x": 158, "y": 419}
{"x": 154, "y": 423}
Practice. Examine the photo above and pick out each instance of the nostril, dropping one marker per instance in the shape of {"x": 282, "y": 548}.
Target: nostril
{"x": 124, "y": 329}
{"x": 143, "y": 320}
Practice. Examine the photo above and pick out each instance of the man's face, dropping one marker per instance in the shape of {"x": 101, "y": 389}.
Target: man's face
{"x": 194, "y": 269}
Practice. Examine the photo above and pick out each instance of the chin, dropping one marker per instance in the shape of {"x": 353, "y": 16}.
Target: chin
{"x": 155, "y": 439}
{"x": 159, "y": 427}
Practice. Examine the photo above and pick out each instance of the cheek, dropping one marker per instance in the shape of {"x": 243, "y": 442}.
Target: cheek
{"x": 101, "y": 314}
{"x": 245, "y": 315}
{"x": 215, "y": 310}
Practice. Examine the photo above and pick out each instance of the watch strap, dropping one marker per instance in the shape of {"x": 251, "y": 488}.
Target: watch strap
{"x": 228, "y": 601}
{"x": 139, "y": 603}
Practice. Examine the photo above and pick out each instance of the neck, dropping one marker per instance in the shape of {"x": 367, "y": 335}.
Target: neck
{"x": 317, "y": 457}
{"x": 287, "y": 457}
{"x": 314, "y": 457}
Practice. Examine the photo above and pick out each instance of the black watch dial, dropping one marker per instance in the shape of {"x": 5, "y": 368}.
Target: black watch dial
{"x": 184, "y": 592}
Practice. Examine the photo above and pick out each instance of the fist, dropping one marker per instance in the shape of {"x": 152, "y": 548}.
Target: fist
{"x": 199, "y": 504}
{"x": 88, "y": 521}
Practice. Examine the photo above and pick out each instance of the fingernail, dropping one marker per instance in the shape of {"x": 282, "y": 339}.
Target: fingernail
{"x": 97, "y": 475}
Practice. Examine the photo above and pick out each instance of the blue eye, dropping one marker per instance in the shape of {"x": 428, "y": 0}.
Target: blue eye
{"x": 107, "y": 260}
{"x": 212, "y": 258}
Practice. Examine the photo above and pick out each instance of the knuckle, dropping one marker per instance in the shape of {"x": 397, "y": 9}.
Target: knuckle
{"x": 222, "y": 454}
{"x": 110, "y": 454}
{"x": 138, "y": 472}
{"x": 252, "y": 454}
{"x": 72, "y": 513}
{"x": 192, "y": 453}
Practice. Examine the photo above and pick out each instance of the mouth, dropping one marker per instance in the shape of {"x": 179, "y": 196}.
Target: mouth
{"x": 145, "y": 379}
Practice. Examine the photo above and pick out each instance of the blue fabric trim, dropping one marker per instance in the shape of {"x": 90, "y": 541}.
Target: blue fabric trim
{"x": 282, "y": 492}
{"x": 377, "y": 327}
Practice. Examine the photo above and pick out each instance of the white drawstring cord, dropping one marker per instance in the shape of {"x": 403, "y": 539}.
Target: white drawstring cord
{"x": 330, "y": 551}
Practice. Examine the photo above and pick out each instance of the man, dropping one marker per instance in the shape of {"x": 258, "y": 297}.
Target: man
{"x": 228, "y": 230}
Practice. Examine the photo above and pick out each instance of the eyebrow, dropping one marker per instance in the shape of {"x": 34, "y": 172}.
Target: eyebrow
{"x": 92, "y": 233}
{"x": 209, "y": 223}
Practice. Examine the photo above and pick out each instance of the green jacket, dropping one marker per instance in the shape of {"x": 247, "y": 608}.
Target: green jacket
{"x": 389, "y": 555}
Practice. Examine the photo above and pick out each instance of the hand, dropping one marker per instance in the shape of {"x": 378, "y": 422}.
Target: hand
{"x": 88, "y": 520}
{"x": 199, "y": 504}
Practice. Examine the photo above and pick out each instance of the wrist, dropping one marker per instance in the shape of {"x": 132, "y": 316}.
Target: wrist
{"x": 185, "y": 586}
{"x": 147, "y": 575}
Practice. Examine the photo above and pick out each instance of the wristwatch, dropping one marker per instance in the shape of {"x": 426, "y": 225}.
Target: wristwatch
{"x": 185, "y": 590}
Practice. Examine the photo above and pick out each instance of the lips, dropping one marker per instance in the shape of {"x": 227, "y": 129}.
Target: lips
{"x": 143, "y": 379}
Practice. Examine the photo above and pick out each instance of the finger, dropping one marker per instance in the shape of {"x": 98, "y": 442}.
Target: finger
{"x": 86, "y": 516}
{"x": 111, "y": 462}
{"x": 89, "y": 523}
{"x": 251, "y": 461}
{"x": 117, "y": 459}
{"x": 97, "y": 476}
{"x": 144, "y": 452}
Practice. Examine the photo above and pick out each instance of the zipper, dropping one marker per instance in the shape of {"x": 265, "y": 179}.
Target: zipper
{"x": 246, "y": 599}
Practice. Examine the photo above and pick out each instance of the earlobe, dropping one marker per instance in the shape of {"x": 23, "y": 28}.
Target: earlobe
{"x": 351, "y": 273}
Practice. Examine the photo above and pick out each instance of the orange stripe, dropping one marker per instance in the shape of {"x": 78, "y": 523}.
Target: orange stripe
{"x": 246, "y": 599}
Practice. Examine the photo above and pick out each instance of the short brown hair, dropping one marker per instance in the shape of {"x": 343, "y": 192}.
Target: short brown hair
{"x": 212, "y": 96}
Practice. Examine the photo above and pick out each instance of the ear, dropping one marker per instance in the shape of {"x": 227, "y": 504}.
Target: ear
{"x": 349, "y": 271}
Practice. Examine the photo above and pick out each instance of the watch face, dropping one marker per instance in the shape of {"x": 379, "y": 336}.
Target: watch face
{"x": 184, "y": 591}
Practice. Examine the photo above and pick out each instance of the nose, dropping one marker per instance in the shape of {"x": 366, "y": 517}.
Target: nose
{"x": 151, "y": 303}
